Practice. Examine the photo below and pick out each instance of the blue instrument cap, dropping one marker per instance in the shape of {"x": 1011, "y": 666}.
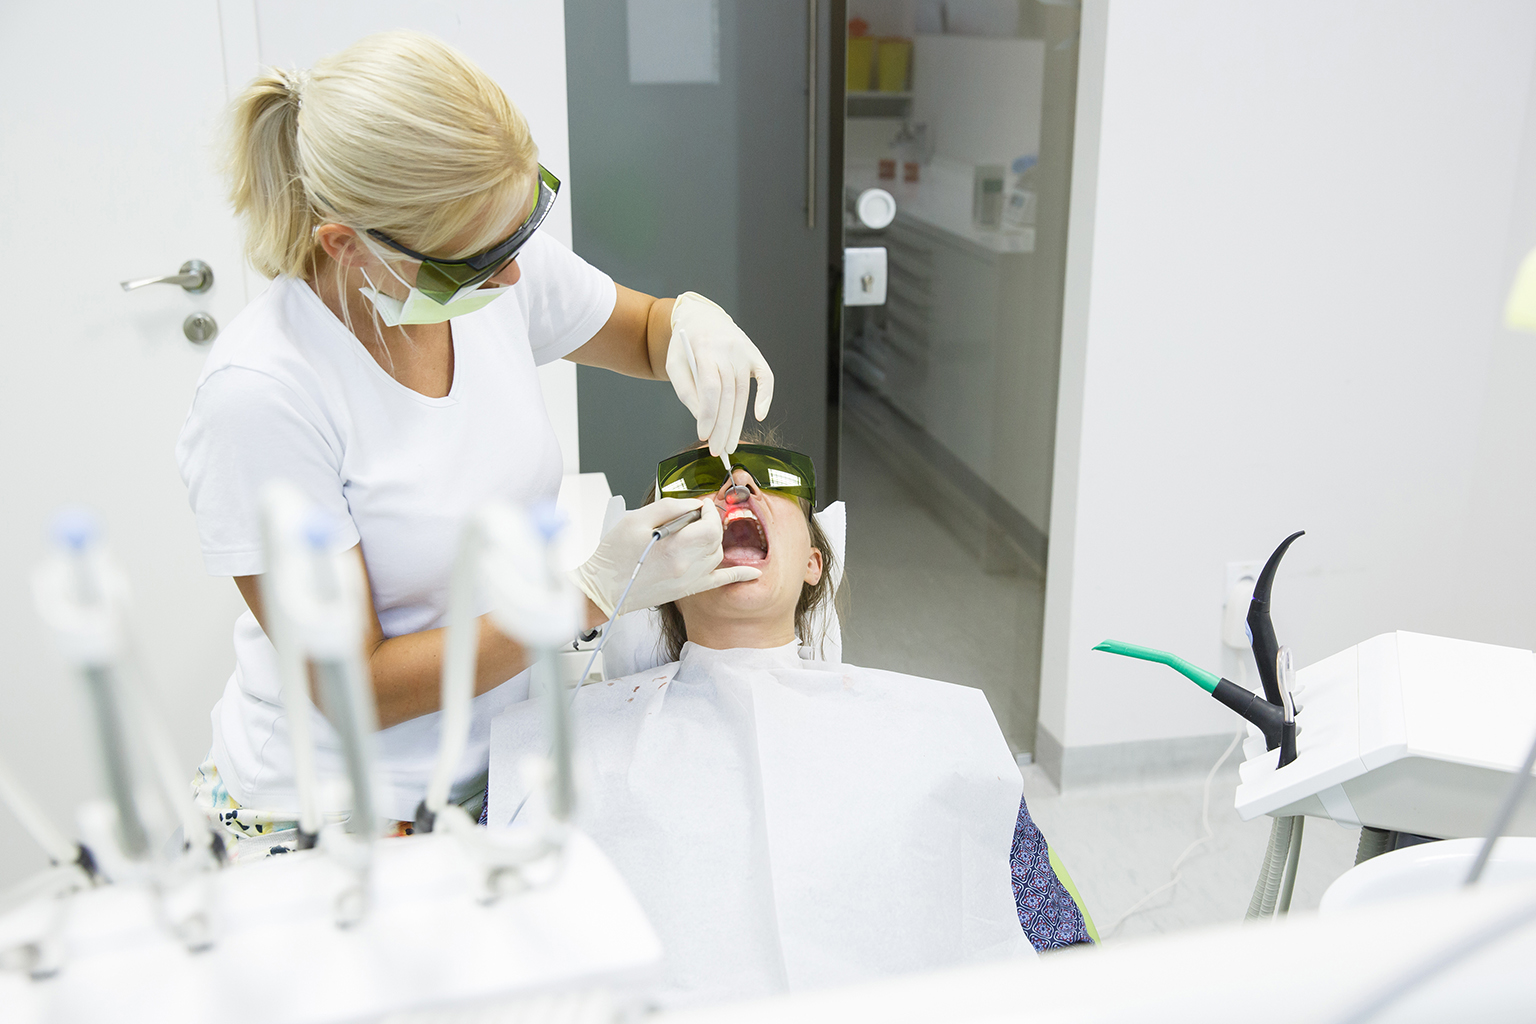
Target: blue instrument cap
{"x": 318, "y": 530}
{"x": 75, "y": 527}
{"x": 547, "y": 519}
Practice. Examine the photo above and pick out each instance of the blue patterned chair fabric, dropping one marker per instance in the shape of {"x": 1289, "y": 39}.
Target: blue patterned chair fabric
{"x": 1047, "y": 910}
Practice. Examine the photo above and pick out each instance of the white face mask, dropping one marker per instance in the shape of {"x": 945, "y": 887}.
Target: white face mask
{"x": 417, "y": 308}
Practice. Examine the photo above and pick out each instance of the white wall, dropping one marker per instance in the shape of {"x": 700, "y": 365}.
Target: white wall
{"x": 1293, "y": 226}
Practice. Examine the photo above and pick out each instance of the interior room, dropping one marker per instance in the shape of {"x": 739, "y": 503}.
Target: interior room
{"x": 703, "y": 510}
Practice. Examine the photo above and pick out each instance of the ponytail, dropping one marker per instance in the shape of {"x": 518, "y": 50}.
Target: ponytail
{"x": 265, "y": 177}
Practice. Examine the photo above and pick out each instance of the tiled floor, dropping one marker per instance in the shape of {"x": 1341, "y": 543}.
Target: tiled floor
{"x": 1118, "y": 841}
{"x": 921, "y": 603}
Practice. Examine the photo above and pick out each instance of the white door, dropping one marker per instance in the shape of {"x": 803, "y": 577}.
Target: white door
{"x": 108, "y": 172}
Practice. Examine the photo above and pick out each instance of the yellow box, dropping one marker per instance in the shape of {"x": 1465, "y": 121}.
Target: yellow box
{"x": 895, "y": 58}
{"x": 861, "y": 63}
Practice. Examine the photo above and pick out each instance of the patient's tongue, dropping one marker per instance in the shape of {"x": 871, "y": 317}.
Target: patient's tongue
{"x": 742, "y": 540}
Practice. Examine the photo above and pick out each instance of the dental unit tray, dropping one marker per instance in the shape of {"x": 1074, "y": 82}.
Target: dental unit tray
{"x": 1404, "y": 732}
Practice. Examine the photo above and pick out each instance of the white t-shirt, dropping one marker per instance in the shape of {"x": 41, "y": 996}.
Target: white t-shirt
{"x": 288, "y": 392}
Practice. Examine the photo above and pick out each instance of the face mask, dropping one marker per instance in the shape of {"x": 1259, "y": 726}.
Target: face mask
{"x": 417, "y": 308}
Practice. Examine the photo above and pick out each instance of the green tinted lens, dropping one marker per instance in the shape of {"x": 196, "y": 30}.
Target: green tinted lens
{"x": 689, "y": 475}
{"x": 696, "y": 473}
{"x": 779, "y": 470}
{"x": 441, "y": 281}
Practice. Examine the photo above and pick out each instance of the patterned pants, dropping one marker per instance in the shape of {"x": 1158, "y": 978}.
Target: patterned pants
{"x": 252, "y": 832}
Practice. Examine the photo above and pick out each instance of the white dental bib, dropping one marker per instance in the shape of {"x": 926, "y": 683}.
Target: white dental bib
{"x": 790, "y": 824}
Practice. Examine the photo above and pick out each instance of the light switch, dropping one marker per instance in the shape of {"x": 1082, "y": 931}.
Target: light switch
{"x": 864, "y": 276}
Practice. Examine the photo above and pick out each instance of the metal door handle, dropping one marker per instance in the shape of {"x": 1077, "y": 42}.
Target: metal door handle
{"x": 194, "y": 276}
{"x": 811, "y": 27}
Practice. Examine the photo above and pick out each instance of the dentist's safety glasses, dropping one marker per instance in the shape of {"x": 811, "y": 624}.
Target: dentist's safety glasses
{"x": 696, "y": 473}
{"x": 442, "y": 280}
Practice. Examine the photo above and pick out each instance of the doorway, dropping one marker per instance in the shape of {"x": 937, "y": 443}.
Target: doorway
{"x": 962, "y": 111}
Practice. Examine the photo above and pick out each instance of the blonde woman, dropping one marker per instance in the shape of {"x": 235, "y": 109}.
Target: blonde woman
{"x": 393, "y": 195}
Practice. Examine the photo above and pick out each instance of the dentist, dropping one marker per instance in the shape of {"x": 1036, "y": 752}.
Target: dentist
{"x": 393, "y": 195}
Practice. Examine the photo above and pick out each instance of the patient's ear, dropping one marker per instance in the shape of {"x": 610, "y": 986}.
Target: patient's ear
{"x": 813, "y": 567}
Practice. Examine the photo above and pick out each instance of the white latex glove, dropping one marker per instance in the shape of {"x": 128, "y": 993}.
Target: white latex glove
{"x": 682, "y": 564}
{"x": 711, "y": 363}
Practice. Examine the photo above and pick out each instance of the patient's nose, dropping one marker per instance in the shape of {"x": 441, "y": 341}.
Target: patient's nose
{"x": 736, "y": 491}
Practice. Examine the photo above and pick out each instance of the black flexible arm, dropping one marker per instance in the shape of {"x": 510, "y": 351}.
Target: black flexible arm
{"x": 1261, "y": 629}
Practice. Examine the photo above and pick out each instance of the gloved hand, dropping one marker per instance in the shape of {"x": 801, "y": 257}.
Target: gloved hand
{"x": 682, "y": 564}
{"x": 711, "y": 363}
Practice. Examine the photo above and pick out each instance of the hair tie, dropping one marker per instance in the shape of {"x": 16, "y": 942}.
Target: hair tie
{"x": 294, "y": 82}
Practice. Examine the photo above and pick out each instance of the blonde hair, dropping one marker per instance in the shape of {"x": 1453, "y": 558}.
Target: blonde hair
{"x": 399, "y": 132}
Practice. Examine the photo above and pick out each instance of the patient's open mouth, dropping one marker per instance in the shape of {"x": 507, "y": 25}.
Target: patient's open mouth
{"x": 745, "y": 542}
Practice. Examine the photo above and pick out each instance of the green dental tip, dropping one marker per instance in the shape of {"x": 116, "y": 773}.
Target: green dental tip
{"x": 1205, "y": 680}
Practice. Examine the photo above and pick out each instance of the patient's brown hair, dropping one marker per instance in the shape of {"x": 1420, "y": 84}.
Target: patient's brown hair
{"x": 674, "y": 633}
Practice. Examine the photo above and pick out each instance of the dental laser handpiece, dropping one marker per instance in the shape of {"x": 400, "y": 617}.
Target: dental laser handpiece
{"x": 671, "y": 526}
{"x": 1269, "y": 718}
{"x": 1261, "y": 628}
{"x": 736, "y": 493}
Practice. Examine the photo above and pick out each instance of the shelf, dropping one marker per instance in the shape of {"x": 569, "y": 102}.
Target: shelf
{"x": 879, "y": 104}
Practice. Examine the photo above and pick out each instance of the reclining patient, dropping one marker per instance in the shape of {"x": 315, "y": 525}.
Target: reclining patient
{"x": 787, "y": 822}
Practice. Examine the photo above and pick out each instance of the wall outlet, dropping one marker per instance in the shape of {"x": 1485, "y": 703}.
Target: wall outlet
{"x": 1241, "y": 577}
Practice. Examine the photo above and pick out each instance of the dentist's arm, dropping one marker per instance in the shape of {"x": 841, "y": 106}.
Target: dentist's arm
{"x": 693, "y": 343}
{"x": 407, "y": 670}
{"x": 635, "y": 339}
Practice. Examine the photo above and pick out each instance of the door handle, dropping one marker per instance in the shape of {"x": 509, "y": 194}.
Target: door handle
{"x": 195, "y": 276}
{"x": 811, "y": 26}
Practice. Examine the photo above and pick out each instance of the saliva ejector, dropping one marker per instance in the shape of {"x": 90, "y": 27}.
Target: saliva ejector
{"x": 1273, "y": 714}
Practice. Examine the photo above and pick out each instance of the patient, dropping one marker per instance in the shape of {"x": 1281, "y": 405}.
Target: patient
{"x": 787, "y": 822}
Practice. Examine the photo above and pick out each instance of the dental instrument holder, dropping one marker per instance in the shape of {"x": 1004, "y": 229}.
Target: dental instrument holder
{"x": 1285, "y": 677}
{"x": 513, "y": 557}
{"x": 1261, "y": 627}
{"x": 283, "y": 509}
{"x": 315, "y": 599}
{"x": 82, "y": 595}
{"x": 1268, "y": 718}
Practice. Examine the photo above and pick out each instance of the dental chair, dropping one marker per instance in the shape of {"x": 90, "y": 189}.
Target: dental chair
{"x": 634, "y": 643}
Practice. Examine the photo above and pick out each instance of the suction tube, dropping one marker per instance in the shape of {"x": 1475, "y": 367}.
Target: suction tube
{"x": 1269, "y": 718}
{"x": 1261, "y": 628}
